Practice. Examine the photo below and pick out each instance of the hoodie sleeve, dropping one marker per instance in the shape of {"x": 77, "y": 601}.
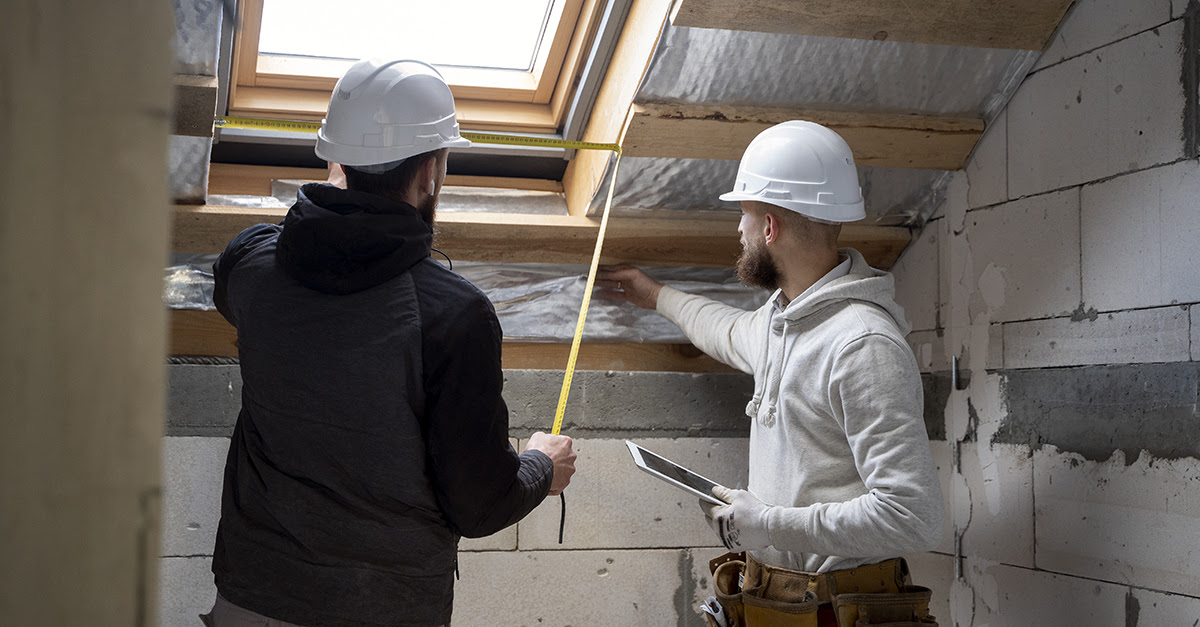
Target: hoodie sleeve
{"x": 482, "y": 484}
{"x": 730, "y": 335}
{"x": 238, "y": 248}
{"x": 875, "y": 391}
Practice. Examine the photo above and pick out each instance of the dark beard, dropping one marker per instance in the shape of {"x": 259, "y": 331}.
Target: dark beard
{"x": 428, "y": 207}
{"x": 756, "y": 268}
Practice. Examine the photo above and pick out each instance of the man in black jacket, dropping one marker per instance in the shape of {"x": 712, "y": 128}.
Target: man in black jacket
{"x": 372, "y": 433}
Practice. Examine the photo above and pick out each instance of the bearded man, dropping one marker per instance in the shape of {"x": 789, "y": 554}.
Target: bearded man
{"x": 841, "y": 481}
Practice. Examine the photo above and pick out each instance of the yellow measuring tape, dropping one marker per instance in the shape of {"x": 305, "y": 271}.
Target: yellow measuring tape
{"x": 492, "y": 138}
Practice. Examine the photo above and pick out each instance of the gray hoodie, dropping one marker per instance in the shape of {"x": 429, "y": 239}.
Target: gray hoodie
{"x": 837, "y": 443}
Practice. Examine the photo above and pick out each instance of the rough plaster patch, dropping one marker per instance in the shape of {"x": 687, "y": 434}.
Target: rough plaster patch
{"x": 1097, "y": 410}
{"x": 992, "y": 285}
{"x": 1129, "y": 523}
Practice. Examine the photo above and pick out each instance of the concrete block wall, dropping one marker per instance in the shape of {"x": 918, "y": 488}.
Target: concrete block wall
{"x": 1066, "y": 272}
{"x": 635, "y": 551}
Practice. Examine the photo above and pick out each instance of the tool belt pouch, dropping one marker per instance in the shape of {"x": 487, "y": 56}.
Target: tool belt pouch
{"x": 727, "y": 587}
{"x": 907, "y": 608}
{"x": 764, "y": 612}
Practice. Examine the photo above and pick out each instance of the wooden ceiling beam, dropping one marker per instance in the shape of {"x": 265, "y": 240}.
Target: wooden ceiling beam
{"x": 195, "y": 105}
{"x": 1010, "y": 24}
{"x": 527, "y": 238}
{"x": 687, "y": 131}
{"x": 198, "y": 333}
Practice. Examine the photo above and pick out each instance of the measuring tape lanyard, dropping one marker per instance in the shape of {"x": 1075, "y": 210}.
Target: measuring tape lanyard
{"x": 492, "y": 138}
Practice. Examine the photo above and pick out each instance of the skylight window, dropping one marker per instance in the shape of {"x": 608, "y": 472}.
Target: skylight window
{"x": 465, "y": 33}
{"x": 511, "y": 64}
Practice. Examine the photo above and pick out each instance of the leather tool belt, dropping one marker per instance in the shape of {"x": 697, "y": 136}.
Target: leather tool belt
{"x": 753, "y": 594}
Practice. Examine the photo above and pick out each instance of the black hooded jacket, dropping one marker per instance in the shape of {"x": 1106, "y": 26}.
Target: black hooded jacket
{"x": 372, "y": 432}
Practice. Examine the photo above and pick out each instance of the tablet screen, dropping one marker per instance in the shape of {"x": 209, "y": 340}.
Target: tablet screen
{"x": 678, "y": 473}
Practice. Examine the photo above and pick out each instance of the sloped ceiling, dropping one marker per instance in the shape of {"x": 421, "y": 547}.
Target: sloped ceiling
{"x": 911, "y": 86}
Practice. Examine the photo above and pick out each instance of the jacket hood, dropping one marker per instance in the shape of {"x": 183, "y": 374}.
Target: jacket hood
{"x": 863, "y": 283}
{"x": 341, "y": 241}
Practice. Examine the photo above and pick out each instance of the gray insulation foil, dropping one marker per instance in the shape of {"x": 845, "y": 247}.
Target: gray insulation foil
{"x": 534, "y": 302}
{"x": 710, "y": 66}
{"x": 719, "y": 67}
{"x": 197, "y": 36}
{"x": 656, "y": 187}
{"x": 187, "y": 165}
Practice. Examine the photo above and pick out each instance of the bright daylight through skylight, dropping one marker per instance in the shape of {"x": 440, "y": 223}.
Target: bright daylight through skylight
{"x": 470, "y": 33}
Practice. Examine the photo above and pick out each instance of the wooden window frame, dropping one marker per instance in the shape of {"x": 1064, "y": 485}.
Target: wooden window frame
{"x": 536, "y": 101}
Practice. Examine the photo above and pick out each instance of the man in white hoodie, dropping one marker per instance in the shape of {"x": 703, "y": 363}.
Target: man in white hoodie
{"x": 841, "y": 475}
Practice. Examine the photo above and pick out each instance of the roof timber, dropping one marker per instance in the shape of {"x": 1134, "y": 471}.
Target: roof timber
{"x": 688, "y": 131}
{"x": 530, "y": 238}
{"x": 1011, "y": 24}
{"x": 208, "y": 334}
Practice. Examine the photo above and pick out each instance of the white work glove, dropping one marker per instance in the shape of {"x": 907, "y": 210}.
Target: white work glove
{"x": 741, "y": 525}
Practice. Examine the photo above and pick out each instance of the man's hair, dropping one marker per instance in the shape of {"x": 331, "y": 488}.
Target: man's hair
{"x": 394, "y": 183}
{"x": 805, "y": 230}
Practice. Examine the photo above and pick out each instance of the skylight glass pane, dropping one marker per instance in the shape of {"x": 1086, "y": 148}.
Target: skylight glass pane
{"x": 469, "y": 33}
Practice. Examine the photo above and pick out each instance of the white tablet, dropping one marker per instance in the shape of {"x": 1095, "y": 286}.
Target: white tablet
{"x": 673, "y": 473}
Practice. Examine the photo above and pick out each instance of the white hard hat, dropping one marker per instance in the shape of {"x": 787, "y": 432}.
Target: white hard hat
{"x": 383, "y": 112}
{"x": 803, "y": 167}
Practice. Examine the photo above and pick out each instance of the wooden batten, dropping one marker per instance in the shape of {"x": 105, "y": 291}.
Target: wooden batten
{"x": 1012, "y": 24}
{"x": 195, "y": 105}
{"x": 207, "y": 334}
{"x": 877, "y": 139}
{"x": 529, "y": 238}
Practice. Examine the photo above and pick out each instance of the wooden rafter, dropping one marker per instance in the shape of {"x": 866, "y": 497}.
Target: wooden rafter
{"x": 207, "y": 334}
{"x": 877, "y": 139}
{"x": 528, "y": 238}
{"x": 255, "y": 180}
{"x": 1013, "y": 24}
{"x": 195, "y": 104}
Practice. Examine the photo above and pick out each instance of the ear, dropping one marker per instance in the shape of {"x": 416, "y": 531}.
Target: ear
{"x": 427, "y": 179}
{"x": 772, "y": 227}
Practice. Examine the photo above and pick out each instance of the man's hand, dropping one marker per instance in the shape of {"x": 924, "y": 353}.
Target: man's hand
{"x": 630, "y": 284}
{"x": 558, "y": 449}
{"x": 741, "y": 525}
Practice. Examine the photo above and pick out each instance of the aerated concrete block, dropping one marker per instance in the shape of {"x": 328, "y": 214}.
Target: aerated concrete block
{"x": 1000, "y": 479}
{"x": 1092, "y": 24}
{"x": 943, "y": 461}
{"x": 613, "y": 504}
{"x": 987, "y": 171}
{"x": 1156, "y": 608}
{"x": 1139, "y": 235}
{"x": 1025, "y": 258}
{"x": 1127, "y": 337}
{"x": 185, "y": 590}
{"x": 532, "y": 398}
{"x": 916, "y": 275}
{"x": 664, "y": 404}
{"x": 935, "y": 572}
{"x": 1007, "y": 596}
{"x": 607, "y": 587}
{"x": 193, "y": 475}
{"x": 1119, "y": 520}
{"x": 929, "y": 349}
{"x": 203, "y": 400}
{"x": 1114, "y": 110}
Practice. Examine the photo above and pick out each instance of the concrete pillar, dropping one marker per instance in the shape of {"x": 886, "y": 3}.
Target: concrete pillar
{"x": 84, "y": 111}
